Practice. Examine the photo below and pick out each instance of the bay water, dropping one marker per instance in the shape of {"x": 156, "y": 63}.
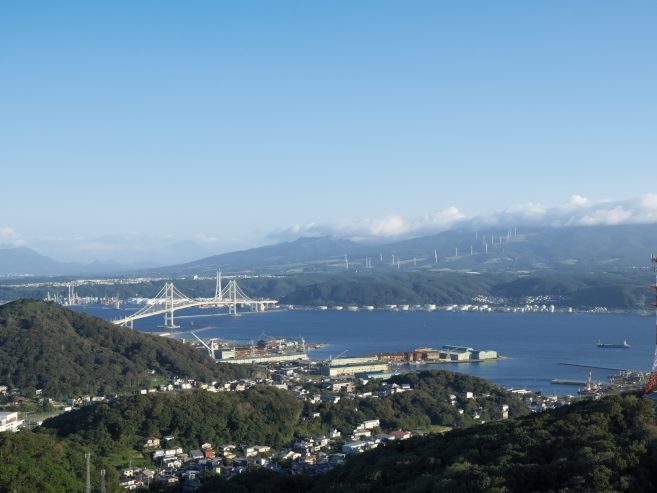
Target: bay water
{"x": 533, "y": 344}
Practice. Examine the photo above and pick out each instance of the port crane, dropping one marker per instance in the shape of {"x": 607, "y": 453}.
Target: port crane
{"x": 339, "y": 355}
{"x": 209, "y": 348}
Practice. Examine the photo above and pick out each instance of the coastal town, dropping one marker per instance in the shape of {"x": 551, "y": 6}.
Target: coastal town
{"x": 349, "y": 379}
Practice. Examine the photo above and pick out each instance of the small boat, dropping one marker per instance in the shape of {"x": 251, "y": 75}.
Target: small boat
{"x": 602, "y": 345}
{"x": 561, "y": 381}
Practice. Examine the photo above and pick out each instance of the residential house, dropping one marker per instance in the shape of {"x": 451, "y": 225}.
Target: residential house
{"x": 9, "y": 421}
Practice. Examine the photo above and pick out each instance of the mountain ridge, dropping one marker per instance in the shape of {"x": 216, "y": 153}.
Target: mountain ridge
{"x": 492, "y": 249}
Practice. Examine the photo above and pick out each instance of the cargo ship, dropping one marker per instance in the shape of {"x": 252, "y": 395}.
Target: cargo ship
{"x": 602, "y": 345}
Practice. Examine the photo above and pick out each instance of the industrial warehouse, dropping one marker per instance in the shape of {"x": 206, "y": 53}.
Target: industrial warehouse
{"x": 446, "y": 354}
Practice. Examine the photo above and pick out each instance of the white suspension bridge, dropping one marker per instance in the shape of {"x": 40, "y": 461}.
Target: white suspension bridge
{"x": 169, "y": 299}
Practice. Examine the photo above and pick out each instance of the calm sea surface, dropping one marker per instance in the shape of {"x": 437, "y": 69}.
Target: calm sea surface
{"x": 535, "y": 344}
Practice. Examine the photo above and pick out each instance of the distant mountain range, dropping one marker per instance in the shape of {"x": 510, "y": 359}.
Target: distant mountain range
{"x": 489, "y": 249}
{"x": 299, "y": 254}
{"x": 23, "y": 261}
{"x": 580, "y": 248}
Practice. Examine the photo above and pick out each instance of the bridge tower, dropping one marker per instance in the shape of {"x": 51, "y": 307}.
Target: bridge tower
{"x": 217, "y": 290}
{"x": 168, "y": 306}
{"x": 72, "y": 295}
{"x": 652, "y": 380}
{"x": 232, "y": 295}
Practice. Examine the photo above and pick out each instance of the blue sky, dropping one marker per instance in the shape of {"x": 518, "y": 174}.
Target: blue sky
{"x": 231, "y": 124}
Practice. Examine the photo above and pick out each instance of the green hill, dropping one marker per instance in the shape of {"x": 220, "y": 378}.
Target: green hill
{"x": 259, "y": 415}
{"x": 427, "y": 406}
{"x": 594, "y": 446}
{"x": 608, "y": 445}
{"x": 39, "y": 463}
{"x": 45, "y": 346}
{"x": 271, "y": 416}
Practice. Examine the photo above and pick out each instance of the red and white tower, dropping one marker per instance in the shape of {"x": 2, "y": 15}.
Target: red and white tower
{"x": 652, "y": 380}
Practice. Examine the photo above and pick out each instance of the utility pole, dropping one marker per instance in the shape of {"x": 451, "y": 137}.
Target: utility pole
{"x": 103, "y": 489}
{"x": 87, "y": 457}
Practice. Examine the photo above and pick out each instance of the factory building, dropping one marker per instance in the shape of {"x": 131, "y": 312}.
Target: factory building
{"x": 354, "y": 368}
{"x": 484, "y": 354}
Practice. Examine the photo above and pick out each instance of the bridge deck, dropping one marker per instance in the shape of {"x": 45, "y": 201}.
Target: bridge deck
{"x": 190, "y": 304}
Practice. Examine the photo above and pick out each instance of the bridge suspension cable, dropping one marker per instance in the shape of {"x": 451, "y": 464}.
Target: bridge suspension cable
{"x": 169, "y": 299}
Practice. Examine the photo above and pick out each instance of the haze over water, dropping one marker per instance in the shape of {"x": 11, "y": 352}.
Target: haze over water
{"x": 534, "y": 343}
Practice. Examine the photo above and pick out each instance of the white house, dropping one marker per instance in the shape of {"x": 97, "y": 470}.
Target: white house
{"x": 9, "y": 421}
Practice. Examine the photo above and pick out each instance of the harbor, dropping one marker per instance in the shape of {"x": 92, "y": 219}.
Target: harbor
{"x": 533, "y": 345}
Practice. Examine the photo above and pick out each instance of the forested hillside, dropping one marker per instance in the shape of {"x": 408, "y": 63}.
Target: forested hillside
{"x": 45, "y": 346}
{"x": 427, "y": 405}
{"x": 271, "y": 416}
{"x": 594, "y": 446}
{"x": 40, "y": 463}
{"x": 262, "y": 415}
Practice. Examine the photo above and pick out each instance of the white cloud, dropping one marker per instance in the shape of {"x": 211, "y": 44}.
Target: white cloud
{"x": 389, "y": 227}
{"x": 9, "y": 237}
{"x": 204, "y": 239}
{"x": 577, "y": 211}
{"x": 578, "y": 200}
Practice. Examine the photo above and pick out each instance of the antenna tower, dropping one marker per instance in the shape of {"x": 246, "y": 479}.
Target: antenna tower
{"x": 103, "y": 488}
{"x": 652, "y": 380}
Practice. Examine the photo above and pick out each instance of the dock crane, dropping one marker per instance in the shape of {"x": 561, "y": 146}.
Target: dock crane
{"x": 209, "y": 348}
{"x": 339, "y": 355}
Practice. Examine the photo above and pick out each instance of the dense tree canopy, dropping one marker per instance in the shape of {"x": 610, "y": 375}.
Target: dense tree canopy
{"x": 262, "y": 415}
{"x": 39, "y": 463}
{"x": 607, "y": 445}
{"x": 43, "y": 345}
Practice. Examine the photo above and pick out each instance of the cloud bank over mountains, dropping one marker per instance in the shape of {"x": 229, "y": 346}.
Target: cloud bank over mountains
{"x": 141, "y": 248}
{"x": 578, "y": 211}
{"x": 10, "y": 238}
{"x": 393, "y": 226}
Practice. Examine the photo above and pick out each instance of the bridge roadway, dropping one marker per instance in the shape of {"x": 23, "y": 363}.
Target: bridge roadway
{"x": 169, "y": 299}
{"x": 190, "y": 303}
